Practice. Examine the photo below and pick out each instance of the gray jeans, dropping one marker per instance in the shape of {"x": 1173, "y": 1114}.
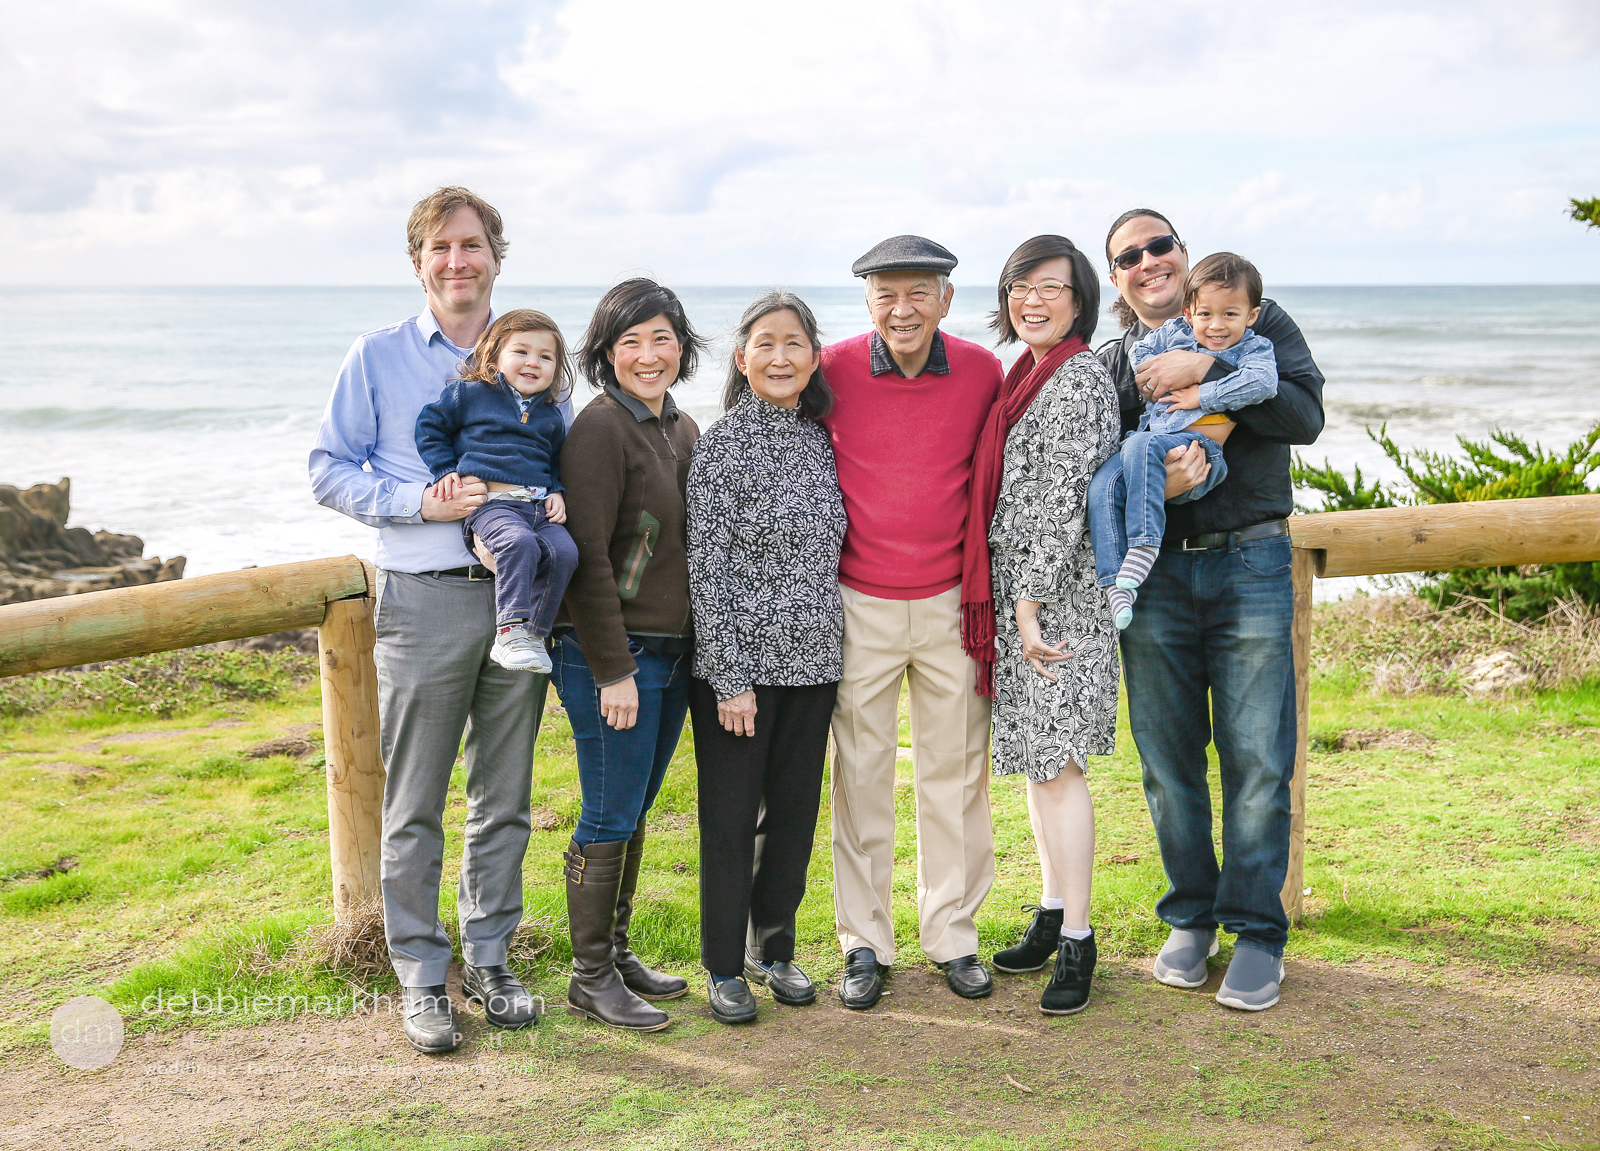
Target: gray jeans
{"x": 435, "y": 680}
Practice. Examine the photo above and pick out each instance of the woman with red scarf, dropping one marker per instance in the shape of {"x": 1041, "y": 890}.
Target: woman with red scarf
{"x": 1033, "y": 615}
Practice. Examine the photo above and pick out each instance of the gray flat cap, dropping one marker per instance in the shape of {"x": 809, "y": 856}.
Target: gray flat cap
{"x": 903, "y": 254}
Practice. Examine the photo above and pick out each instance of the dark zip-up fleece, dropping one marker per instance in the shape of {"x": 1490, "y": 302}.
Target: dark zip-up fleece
{"x": 1257, "y": 488}
{"x": 625, "y": 472}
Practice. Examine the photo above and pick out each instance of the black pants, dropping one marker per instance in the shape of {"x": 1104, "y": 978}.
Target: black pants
{"x": 758, "y": 816}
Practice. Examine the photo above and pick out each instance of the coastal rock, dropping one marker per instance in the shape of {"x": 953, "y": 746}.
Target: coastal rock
{"x": 41, "y": 557}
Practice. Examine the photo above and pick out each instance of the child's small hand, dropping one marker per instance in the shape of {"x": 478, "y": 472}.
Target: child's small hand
{"x": 448, "y": 487}
{"x": 1186, "y": 398}
{"x": 555, "y": 508}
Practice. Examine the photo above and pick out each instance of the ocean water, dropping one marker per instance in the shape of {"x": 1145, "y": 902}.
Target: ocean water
{"x": 185, "y": 415}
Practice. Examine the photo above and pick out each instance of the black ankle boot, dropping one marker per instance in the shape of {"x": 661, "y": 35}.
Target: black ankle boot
{"x": 1067, "y": 993}
{"x": 596, "y": 990}
{"x": 1038, "y": 942}
{"x": 645, "y": 982}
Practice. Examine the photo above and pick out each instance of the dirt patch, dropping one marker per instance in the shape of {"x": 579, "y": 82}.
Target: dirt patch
{"x": 61, "y": 866}
{"x": 300, "y": 730}
{"x": 1382, "y": 739}
{"x": 1353, "y": 1057}
{"x": 143, "y": 736}
{"x": 66, "y": 768}
{"x": 547, "y": 819}
{"x": 292, "y": 746}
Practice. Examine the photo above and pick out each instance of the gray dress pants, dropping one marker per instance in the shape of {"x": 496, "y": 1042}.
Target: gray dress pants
{"x": 436, "y": 680}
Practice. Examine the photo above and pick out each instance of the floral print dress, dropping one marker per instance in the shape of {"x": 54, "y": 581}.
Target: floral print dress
{"x": 1040, "y": 550}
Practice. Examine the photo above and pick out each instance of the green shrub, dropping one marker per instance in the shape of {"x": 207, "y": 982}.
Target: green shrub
{"x": 1502, "y": 468}
{"x": 158, "y": 685}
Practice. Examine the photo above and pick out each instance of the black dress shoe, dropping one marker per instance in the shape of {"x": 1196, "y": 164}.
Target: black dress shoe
{"x": 506, "y": 1003}
{"x": 788, "y": 984}
{"x": 731, "y": 1001}
{"x": 862, "y": 984}
{"x": 1067, "y": 993}
{"x": 427, "y": 1020}
{"x": 967, "y": 977}
{"x": 1038, "y": 943}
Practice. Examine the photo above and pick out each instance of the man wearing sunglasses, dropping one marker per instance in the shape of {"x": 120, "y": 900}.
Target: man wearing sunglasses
{"x": 1208, "y": 655}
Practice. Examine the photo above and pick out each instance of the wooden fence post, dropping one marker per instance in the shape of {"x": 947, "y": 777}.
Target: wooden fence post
{"x": 1305, "y": 566}
{"x": 355, "y": 764}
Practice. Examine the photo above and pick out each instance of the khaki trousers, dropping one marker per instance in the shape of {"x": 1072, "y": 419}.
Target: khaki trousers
{"x": 884, "y": 641}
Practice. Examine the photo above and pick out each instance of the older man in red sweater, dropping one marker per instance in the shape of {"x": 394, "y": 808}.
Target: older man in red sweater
{"x": 909, "y": 404}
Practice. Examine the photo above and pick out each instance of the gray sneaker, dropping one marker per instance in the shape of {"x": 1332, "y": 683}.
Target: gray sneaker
{"x": 516, "y": 650}
{"x": 1251, "y": 983}
{"x": 1182, "y": 962}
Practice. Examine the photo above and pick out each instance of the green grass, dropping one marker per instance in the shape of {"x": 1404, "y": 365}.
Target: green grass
{"x": 176, "y": 863}
{"x": 1484, "y": 845}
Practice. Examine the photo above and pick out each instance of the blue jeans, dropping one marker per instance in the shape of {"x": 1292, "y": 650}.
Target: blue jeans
{"x": 1217, "y": 622}
{"x": 1127, "y": 501}
{"x": 533, "y": 561}
{"x": 621, "y": 771}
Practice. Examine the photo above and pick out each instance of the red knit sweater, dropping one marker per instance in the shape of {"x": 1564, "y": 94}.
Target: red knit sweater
{"x": 904, "y": 450}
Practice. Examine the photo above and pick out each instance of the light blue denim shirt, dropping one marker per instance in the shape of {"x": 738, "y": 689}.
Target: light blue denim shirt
{"x": 365, "y": 462}
{"x": 1255, "y": 378}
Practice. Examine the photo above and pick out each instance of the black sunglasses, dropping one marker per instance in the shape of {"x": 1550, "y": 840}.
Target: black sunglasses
{"x": 1157, "y": 247}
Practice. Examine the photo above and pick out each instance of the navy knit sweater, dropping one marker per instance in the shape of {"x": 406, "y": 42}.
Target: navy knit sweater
{"x": 476, "y": 429}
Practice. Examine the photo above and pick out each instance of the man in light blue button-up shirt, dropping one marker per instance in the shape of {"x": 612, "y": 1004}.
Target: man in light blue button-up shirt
{"x": 435, "y": 625}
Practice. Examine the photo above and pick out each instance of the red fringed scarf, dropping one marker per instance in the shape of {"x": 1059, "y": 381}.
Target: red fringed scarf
{"x": 1022, "y": 385}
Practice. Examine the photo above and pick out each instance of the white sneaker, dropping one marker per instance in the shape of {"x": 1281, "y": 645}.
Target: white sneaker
{"x": 516, "y": 650}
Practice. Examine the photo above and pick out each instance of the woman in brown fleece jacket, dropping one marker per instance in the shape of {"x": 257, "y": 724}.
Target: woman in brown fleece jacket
{"x": 624, "y": 640}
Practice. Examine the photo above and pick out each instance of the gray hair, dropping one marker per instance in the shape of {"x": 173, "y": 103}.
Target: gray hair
{"x": 941, "y": 280}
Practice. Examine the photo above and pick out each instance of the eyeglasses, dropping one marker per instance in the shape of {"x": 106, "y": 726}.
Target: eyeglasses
{"x": 1157, "y": 247}
{"x": 1048, "y": 290}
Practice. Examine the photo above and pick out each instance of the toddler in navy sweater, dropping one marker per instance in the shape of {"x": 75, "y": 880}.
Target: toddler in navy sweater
{"x": 500, "y": 422}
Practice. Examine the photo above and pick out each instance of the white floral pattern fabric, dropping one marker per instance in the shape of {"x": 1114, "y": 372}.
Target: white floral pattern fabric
{"x": 766, "y": 522}
{"x": 1040, "y": 550}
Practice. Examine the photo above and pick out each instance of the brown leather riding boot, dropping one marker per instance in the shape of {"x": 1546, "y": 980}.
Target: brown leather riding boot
{"x": 596, "y": 991}
{"x": 641, "y": 980}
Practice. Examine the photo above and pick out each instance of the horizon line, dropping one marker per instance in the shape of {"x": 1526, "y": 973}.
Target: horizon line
{"x": 754, "y": 286}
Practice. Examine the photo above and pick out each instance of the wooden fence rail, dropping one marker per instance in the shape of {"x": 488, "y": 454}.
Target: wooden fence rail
{"x": 336, "y": 596}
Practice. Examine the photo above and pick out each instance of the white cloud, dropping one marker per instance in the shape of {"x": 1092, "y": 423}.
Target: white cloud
{"x": 186, "y": 141}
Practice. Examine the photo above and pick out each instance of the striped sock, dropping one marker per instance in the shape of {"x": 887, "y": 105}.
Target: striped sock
{"x": 1136, "y": 566}
{"x": 1121, "y": 605}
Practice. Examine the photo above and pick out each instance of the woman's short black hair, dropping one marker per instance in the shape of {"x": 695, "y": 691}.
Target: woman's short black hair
{"x": 816, "y": 400}
{"x": 630, "y": 303}
{"x": 1085, "y": 285}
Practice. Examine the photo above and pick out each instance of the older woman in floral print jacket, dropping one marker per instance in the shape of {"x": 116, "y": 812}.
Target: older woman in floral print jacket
{"x": 766, "y": 522}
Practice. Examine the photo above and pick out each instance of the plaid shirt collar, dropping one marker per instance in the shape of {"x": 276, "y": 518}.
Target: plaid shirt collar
{"x": 882, "y": 361}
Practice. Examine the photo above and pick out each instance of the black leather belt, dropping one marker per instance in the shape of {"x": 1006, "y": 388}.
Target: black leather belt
{"x": 471, "y": 571}
{"x": 1226, "y": 539}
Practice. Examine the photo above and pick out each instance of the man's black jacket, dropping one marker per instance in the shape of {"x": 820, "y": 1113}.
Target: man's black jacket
{"x": 1257, "y": 488}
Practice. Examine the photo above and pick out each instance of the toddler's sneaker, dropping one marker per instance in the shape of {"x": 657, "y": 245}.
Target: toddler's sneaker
{"x": 515, "y": 650}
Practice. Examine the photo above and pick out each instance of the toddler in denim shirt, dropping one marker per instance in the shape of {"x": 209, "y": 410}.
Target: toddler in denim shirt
{"x": 1127, "y": 513}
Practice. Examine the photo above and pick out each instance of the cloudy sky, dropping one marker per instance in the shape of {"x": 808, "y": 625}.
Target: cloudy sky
{"x": 282, "y": 142}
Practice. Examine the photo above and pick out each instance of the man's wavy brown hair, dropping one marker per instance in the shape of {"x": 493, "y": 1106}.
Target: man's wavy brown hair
{"x": 434, "y": 210}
